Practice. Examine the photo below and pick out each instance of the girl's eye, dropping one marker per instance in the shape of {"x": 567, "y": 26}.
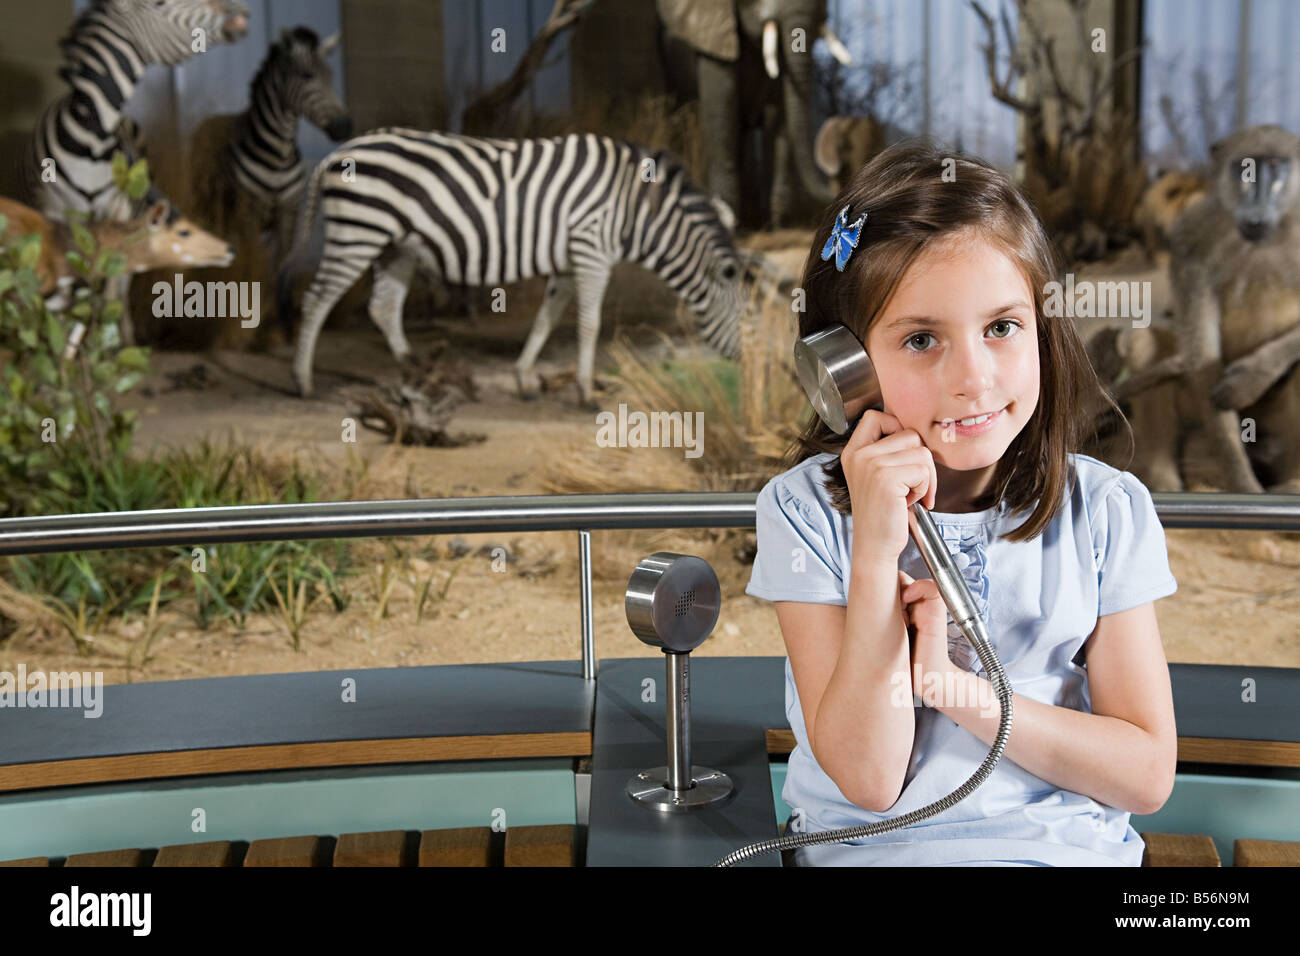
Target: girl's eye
{"x": 926, "y": 335}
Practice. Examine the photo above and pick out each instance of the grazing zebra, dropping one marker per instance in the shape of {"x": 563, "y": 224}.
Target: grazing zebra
{"x": 259, "y": 172}
{"x": 486, "y": 212}
{"x": 108, "y": 50}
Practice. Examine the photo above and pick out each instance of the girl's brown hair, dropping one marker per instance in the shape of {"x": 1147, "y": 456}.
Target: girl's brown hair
{"x": 910, "y": 204}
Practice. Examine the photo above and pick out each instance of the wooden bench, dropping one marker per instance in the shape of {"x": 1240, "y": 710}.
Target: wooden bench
{"x": 551, "y": 845}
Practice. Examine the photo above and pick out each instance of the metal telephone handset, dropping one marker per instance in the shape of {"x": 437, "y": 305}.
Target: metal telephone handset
{"x": 841, "y": 383}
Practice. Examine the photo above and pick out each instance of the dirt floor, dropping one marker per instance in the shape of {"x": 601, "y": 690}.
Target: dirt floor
{"x": 1238, "y": 600}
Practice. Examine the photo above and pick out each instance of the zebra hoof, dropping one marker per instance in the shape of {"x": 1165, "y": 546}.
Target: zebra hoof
{"x": 528, "y": 386}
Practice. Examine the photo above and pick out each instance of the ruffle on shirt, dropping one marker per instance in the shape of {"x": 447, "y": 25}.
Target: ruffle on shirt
{"x": 967, "y": 545}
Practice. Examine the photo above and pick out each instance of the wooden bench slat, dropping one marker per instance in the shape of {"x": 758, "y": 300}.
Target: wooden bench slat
{"x": 1265, "y": 853}
{"x": 541, "y": 845}
{"x": 289, "y": 851}
{"x": 1179, "y": 849}
{"x": 385, "y": 848}
{"x": 107, "y": 858}
{"x": 463, "y": 846}
{"x": 217, "y": 853}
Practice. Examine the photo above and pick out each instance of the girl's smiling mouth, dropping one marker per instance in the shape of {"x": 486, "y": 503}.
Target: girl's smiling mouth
{"x": 978, "y": 424}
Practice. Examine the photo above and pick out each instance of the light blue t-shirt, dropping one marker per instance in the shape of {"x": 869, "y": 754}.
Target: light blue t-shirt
{"x": 1103, "y": 553}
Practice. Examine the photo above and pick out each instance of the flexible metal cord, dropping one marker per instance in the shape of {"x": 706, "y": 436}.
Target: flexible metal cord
{"x": 1001, "y": 686}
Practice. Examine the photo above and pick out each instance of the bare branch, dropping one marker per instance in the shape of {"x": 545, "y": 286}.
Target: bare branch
{"x": 1001, "y": 89}
{"x": 1048, "y": 48}
{"x": 1120, "y": 62}
{"x": 498, "y": 99}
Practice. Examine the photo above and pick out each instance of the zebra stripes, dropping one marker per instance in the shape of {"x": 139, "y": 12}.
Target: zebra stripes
{"x": 488, "y": 212}
{"x": 259, "y": 169}
{"x": 108, "y": 50}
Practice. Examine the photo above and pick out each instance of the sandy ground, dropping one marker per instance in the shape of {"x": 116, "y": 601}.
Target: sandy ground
{"x": 1238, "y": 600}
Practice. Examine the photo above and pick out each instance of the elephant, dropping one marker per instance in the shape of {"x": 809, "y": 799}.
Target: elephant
{"x": 752, "y": 64}
{"x": 844, "y": 145}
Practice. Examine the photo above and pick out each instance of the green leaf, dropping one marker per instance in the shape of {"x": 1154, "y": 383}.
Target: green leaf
{"x": 27, "y": 337}
{"x": 44, "y": 368}
{"x": 4, "y": 224}
{"x": 60, "y": 480}
{"x": 100, "y": 402}
{"x": 81, "y": 310}
{"x": 82, "y": 237}
{"x": 119, "y": 168}
{"x": 29, "y": 252}
{"x": 126, "y": 381}
{"x": 54, "y": 333}
{"x": 137, "y": 179}
{"x": 135, "y": 358}
{"x": 112, "y": 310}
{"x": 6, "y": 278}
{"x": 114, "y": 264}
{"x": 78, "y": 262}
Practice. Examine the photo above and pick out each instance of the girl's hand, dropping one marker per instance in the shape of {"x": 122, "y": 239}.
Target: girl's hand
{"x": 927, "y": 618}
{"x": 886, "y": 469}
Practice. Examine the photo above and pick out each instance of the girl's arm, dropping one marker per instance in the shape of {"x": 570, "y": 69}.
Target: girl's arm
{"x": 848, "y": 663}
{"x": 1125, "y": 752}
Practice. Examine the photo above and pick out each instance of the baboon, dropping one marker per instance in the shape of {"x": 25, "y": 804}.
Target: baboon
{"x": 1235, "y": 274}
{"x": 1162, "y": 203}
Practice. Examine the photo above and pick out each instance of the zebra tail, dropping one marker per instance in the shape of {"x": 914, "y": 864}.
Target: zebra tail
{"x": 301, "y": 241}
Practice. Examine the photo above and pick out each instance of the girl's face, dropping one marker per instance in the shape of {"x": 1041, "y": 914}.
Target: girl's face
{"x": 956, "y": 340}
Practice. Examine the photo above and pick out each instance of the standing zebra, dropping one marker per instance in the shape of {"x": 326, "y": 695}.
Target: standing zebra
{"x": 481, "y": 212}
{"x": 108, "y": 50}
{"x": 259, "y": 173}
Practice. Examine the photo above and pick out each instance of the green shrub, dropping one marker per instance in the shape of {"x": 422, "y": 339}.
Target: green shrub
{"x": 65, "y": 449}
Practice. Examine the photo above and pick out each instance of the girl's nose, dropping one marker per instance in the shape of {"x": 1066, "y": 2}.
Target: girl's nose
{"x": 973, "y": 369}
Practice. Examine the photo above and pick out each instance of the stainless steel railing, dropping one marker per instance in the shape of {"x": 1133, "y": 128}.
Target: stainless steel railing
{"x": 581, "y": 513}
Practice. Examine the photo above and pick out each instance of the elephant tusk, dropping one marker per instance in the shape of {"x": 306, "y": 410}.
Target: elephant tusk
{"x": 725, "y": 215}
{"x": 838, "y": 49}
{"x": 769, "y": 49}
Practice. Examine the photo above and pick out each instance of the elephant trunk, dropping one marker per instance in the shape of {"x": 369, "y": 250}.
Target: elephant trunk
{"x": 796, "y": 89}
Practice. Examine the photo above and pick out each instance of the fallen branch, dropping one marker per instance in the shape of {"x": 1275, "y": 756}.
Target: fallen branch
{"x": 419, "y": 410}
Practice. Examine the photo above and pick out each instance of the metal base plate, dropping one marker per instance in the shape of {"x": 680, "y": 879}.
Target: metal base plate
{"x": 650, "y": 788}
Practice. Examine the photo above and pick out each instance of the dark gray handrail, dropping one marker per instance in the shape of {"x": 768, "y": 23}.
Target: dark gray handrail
{"x": 582, "y": 513}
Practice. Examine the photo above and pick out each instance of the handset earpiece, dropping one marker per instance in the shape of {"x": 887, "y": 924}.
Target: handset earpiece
{"x": 837, "y": 376}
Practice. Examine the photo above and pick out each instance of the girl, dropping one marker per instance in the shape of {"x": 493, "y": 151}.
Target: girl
{"x": 1064, "y": 554}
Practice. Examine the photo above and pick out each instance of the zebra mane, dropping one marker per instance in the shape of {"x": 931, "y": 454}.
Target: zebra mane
{"x": 91, "y": 12}
{"x": 96, "y": 12}
{"x": 691, "y": 199}
{"x": 279, "y": 50}
{"x": 303, "y": 35}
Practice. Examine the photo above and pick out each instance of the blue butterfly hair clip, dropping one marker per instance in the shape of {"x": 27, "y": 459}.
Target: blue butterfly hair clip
{"x": 844, "y": 238}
